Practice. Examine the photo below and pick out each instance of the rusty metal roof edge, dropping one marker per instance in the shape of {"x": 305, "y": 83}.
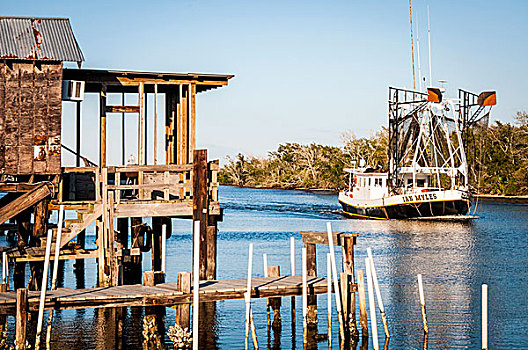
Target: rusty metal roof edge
{"x": 126, "y": 72}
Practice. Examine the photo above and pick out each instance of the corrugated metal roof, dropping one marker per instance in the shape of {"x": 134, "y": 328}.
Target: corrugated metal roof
{"x": 30, "y": 38}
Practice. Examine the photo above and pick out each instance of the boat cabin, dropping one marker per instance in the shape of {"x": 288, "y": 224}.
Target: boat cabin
{"x": 367, "y": 185}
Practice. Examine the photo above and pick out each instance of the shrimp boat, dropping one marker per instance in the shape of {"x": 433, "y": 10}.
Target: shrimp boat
{"x": 427, "y": 176}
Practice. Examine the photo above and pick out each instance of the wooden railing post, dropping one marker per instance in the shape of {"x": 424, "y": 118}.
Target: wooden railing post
{"x": 201, "y": 204}
{"x": 21, "y": 318}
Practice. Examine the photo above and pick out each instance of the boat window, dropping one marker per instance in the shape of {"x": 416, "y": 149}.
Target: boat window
{"x": 409, "y": 182}
{"x": 420, "y": 182}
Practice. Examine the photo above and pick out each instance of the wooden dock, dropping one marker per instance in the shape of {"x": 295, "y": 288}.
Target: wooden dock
{"x": 164, "y": 294}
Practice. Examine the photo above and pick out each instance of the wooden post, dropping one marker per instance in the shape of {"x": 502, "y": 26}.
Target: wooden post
{"x": 145, "y": 128}
{"x": 5, "y": 269}
{"x": 345, "y": 300}
{"x": 55, "y": 268}
{"x": 422, "y": 303}
{"x": 248, "y": 297}
{"x": 275, "y": 303}
{"x": 336, "y": 282}
{"x": 141, "y": 123}
{"x": 378, "y": 293}
{"x": 134, "y": 274}
{"x": 24, "y": 229}
{"x": 211, "y": 239}
{"x": 3, "y": 318}
{"x": 311, "y": 271}
{"x": 163, "y": 247}
{"x": 372, "y": 307}
{"x": 155, "y": 126}
{"x": 196, "y": 284}
{"x": 201, "y": 204}
{"x": 304, "y": 296}
{"x": 40, "y": 214}
{"x": 292, "y": 272}
{"x": 183, "y": 311}
{"x": 21, "y": 318}
{"x": 329, "y": 297}
{"x": 102, "y": 127}
{"x": 157, "y": 228}
{"x": 348, "y": 267}
{"x": 123, "y": 132}
{"x": 192, "y": 118}
{"x": 43, "y": 288}
{"x": 148, "y": 279}
{"x": 78, "y": 133}
{"x": 484, "y": 316}
{"x": 363, "y": 322}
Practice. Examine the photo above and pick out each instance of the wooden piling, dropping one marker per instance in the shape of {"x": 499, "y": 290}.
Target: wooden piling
{"x": 55, "y": 269}
{"x": 43, "y": 289}
{"x": 183, "y": 312}
{"x": 484, "y": 316}
{"x": 292, "y": 271}
{"x": 196, "y": 283}
{"x": 348, "y": 267}
{"x": 5, "y": 269}
{"x": 336, "y": 282}
{"x": 329, "y": 297}
{"x": 311, "y": 271}
{"x": 21, "y": 318}
{"x": 372, "y": 306}
{"x": 345, "y": 300}
{"x": 3, "y": 318}
{"x": 304, "y": 296}
{"x": 275, "y": 303}
{"x": 378, "y": 293}
{"x": 422, "y": 304}
{"x": 201, "y": 205}
{"x": 363, "y": 322}
{"x": 248, "y": 297}
{"x": 163, "y": 248}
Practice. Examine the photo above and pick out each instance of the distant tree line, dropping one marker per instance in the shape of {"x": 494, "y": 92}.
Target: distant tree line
{"x": 497, "y": 157}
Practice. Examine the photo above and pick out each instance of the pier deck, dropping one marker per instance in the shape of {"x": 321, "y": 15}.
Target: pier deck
{"x": 164, "y": 294}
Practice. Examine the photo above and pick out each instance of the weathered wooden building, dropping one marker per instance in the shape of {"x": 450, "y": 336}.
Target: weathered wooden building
{"x": 33, "y": 87}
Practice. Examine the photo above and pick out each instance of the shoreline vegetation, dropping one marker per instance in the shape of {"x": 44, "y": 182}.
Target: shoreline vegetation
{"x": 497, "y": 159}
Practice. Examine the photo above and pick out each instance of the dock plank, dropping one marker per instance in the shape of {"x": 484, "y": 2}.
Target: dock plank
{"x": 164, "y": 294}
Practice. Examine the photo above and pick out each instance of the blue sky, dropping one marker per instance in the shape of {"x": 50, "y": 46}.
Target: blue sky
{"x": 305, "y": 71}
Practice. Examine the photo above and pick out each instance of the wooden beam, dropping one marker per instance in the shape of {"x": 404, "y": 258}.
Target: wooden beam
{"x": 122, "y": 109}
{"x": 316, "y": 237}
{"x": 24, "y": 202}
{"x": 183, "y": 312}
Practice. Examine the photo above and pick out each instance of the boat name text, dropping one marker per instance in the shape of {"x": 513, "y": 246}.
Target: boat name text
{"x": 419, "y": 197}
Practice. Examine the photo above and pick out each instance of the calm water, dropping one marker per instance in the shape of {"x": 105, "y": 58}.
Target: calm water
{"x": 454, "y": 258}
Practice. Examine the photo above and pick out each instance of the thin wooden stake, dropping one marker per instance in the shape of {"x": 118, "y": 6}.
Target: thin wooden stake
{"x": 329, "y": 297}
{"x": 196, "y": 283}
{"x": 336, "y": 282}
{"x": 378, "y": 293}
{"x": 422, "y": 303}
{"x": 43, "y": 288}
{"x": 163, "y": 248}
{"x": 292, "y": 269}
{"x": 248, "y": 296}
{"x": 484, "y": 316}
{"x": 304, "y": 295}
{"x": 268, "y": 315}
{"x": 55, "y": 269}
{"x": 5, "y": 269}
{"x": 372, "y": 306}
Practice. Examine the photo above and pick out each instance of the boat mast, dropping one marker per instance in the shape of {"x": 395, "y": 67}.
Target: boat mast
{"x": 429, "y": 39}
{"x": 412, "y": 46}
{"x": 418, "y": 53}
